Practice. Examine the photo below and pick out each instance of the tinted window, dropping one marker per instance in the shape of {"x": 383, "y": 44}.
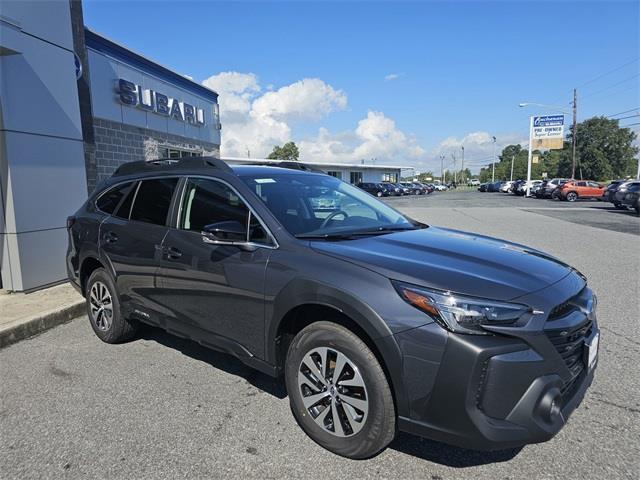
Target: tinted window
{"x": 125, "y": 207}
{"x": 107, "y": 202}
{"x": 634, "y": 187}
{"x": 153, "y": 200}
{"x": 207, "y": 201}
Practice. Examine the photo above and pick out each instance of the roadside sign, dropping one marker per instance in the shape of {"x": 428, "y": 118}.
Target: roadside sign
{"x": 534, "y": 159}
{"x": 548, "y": 132}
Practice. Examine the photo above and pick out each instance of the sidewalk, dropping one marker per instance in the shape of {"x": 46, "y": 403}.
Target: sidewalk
{"x": 25, "y": 314}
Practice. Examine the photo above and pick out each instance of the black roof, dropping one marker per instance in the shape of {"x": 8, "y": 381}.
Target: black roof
{"x": 203, "y": 164}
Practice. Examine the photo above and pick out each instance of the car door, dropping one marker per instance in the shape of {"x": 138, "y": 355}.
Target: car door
{"x": 594, "y": 189}
{"x": 208, "y": 289}
{"x": 131, "y": 240}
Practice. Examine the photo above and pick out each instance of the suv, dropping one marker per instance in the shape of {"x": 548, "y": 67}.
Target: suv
{"x": 376, "y": 189}
{"x": 631, "y": 196}
{"x": 377, "y": 322}
{"x": 575, "y": 189}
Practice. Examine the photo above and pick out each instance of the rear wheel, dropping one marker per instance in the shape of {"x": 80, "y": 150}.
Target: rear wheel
{"x": 103, "y": 308}
{"x": 572, "y": 196}
{"x": 378, "y": 194}
{"x": 338, "y": 391}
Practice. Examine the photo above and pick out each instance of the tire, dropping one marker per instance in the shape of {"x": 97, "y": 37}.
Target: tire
{"x": 619, "y": 206}
{"x": 365, "y": 431}
{"x": 555, "y": 196}
{"x": 100, "y": 295}
{"x": 572, "y": 196}
{"x": 378, "y": 194}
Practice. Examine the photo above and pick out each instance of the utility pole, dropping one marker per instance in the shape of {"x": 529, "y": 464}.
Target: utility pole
{"x": 493, "y": 161}
{"x": 442, "y": 169}
{"x": 574, "y": 129}
{"x": 462, "y": 169}
{"x": 529, "y": 156}
{"x": 455, "y": 172}
{"x": 512, "y": 159}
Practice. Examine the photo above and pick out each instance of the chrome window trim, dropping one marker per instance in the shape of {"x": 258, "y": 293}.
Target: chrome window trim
{"x": 275, "y": 244}
{"x": 107, "y": 190}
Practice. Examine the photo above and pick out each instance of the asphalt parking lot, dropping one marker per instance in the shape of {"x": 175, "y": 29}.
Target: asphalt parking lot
{"x": 160, "y": 407}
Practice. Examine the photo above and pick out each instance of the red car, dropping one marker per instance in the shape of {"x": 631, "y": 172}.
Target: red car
{"x": 575, "y": 189}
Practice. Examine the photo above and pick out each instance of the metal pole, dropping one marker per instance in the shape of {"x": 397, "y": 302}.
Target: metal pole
{"x": 442, "y": 169}
{"x": 493, "y": 161}
{"x": 512, "y": 159}
{"x": 575, "y": 126}
{"x": 455, "y": 172}
{"x": 529, "y": 156}
{"x": 462, "y": 170}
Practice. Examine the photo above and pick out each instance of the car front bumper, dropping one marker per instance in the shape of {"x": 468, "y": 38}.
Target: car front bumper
{"x": 496, "y": 392}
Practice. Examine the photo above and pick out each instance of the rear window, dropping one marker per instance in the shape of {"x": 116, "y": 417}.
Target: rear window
{"x": 108, "y": 201}
{"x": 153, "y": 200}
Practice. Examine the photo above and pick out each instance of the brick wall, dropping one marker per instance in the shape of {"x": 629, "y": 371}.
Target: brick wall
{"x": 117, "y": 143}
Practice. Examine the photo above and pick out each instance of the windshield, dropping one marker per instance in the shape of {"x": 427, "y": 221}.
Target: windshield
{"x": 318, "y": 205}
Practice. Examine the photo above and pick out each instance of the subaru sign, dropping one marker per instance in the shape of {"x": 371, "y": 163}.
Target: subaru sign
{"x": 146, "y": 99}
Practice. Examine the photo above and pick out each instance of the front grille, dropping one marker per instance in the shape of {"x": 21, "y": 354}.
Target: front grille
{"x": 569, "y": 343}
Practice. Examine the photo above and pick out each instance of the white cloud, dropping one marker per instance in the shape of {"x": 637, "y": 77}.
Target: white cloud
{"x": 393, "y": 76}
{"x": 255, "y": 121}
{"x": 478, "y": 150}
{"x": 375, "y": 137}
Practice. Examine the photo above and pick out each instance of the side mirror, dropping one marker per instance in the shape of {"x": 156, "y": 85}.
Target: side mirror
{"x": 230, "y": 232}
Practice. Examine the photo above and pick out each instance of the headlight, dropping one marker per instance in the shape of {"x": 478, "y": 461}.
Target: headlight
{"x": 458, "y": 313}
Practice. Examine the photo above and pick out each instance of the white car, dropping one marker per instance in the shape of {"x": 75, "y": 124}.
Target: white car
{"x": 506, "y": 186}
{"x": 474, "y": 182}
{"x": 440, "y": 188}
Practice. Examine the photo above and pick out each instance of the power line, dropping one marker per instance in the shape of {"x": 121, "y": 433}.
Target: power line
{"x": 630, "y": 116}
{"x": 611, "y": 86}
{"x": 598, "y": 77}
{"x": 620, "y": 113}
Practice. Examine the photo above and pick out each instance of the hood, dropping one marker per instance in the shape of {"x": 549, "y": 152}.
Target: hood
{"x": 452, "y": 260}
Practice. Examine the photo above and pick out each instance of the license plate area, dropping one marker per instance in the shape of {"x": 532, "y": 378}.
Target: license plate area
{"x": 591, "y": 350}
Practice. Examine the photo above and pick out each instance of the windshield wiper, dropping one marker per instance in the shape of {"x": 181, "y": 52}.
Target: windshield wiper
{"x": 353, "y": 234}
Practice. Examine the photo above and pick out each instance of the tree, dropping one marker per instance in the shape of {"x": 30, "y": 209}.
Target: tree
{"x": 604, "y": 150}
{"x": 289, "y": 151}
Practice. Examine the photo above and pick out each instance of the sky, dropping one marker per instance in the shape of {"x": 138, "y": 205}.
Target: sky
{"x": 397, "y": 83}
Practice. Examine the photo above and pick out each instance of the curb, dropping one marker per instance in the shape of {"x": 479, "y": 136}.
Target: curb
{"x": 28, "y": 327}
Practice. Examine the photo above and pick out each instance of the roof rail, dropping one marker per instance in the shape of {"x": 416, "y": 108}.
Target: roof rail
{"x": 287, "y": 164}
{"x": 168, "y": 164}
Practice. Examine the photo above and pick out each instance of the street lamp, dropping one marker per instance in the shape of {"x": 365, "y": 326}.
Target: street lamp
{"x": 557, "y": 108}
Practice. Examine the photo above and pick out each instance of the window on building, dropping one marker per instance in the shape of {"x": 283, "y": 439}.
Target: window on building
{"x": 390, "y": 177}
{"x": 355, "y": 177}
{"x": 334, "y": 173}
{"x": 107, "y": 202}
{"x": 166, "y": 152}
{"x": 153, "y": 199}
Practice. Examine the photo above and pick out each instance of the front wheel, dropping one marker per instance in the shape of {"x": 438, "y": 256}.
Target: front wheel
{"x": 338, "y": 391}
{"x": 572, "y": 196}
{"x": 378, "y": 194}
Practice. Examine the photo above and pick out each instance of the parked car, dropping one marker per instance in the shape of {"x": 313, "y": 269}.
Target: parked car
{"x": 440, "y": 188}
{"x": 553, "y": 187}
{"x": 354, "y": 307}
{"x": 619, "y": 194}
{"x": 376, "y": 189}
{"x": 539, "y": 191}
{"x": 404, "y": 190}
{"x": 576, "y": 189}
{"x": 483, "y": 187}
{"x": 393, "y": 189}
{"x": 516, "y": 185}
{"x": 494, "y": 186}
{"x": 474, "y": 182}
{"x": 631, "y": 198}
{"x": 522, "y": 186}
{"x": 413, "y": 188}
{"x": 609, "y": 192}
{"x": 506, "y": 186}
{"x": 429, "y": 187}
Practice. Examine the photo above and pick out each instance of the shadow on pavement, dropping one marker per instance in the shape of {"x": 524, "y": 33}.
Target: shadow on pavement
{"x": 219, "y": 360}
{"x": 448, "y": 455}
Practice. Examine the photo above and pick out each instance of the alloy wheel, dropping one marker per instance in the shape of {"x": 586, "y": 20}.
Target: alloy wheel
{"x": 333, "y": 391}
{"x": 101, "y": 306}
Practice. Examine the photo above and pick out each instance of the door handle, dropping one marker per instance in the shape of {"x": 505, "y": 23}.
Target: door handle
{"x": 111, "y": 237}
{"x": 173, "y": 253}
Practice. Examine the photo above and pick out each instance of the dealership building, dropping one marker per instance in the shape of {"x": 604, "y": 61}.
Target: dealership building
{"x": 75, "y": 105}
